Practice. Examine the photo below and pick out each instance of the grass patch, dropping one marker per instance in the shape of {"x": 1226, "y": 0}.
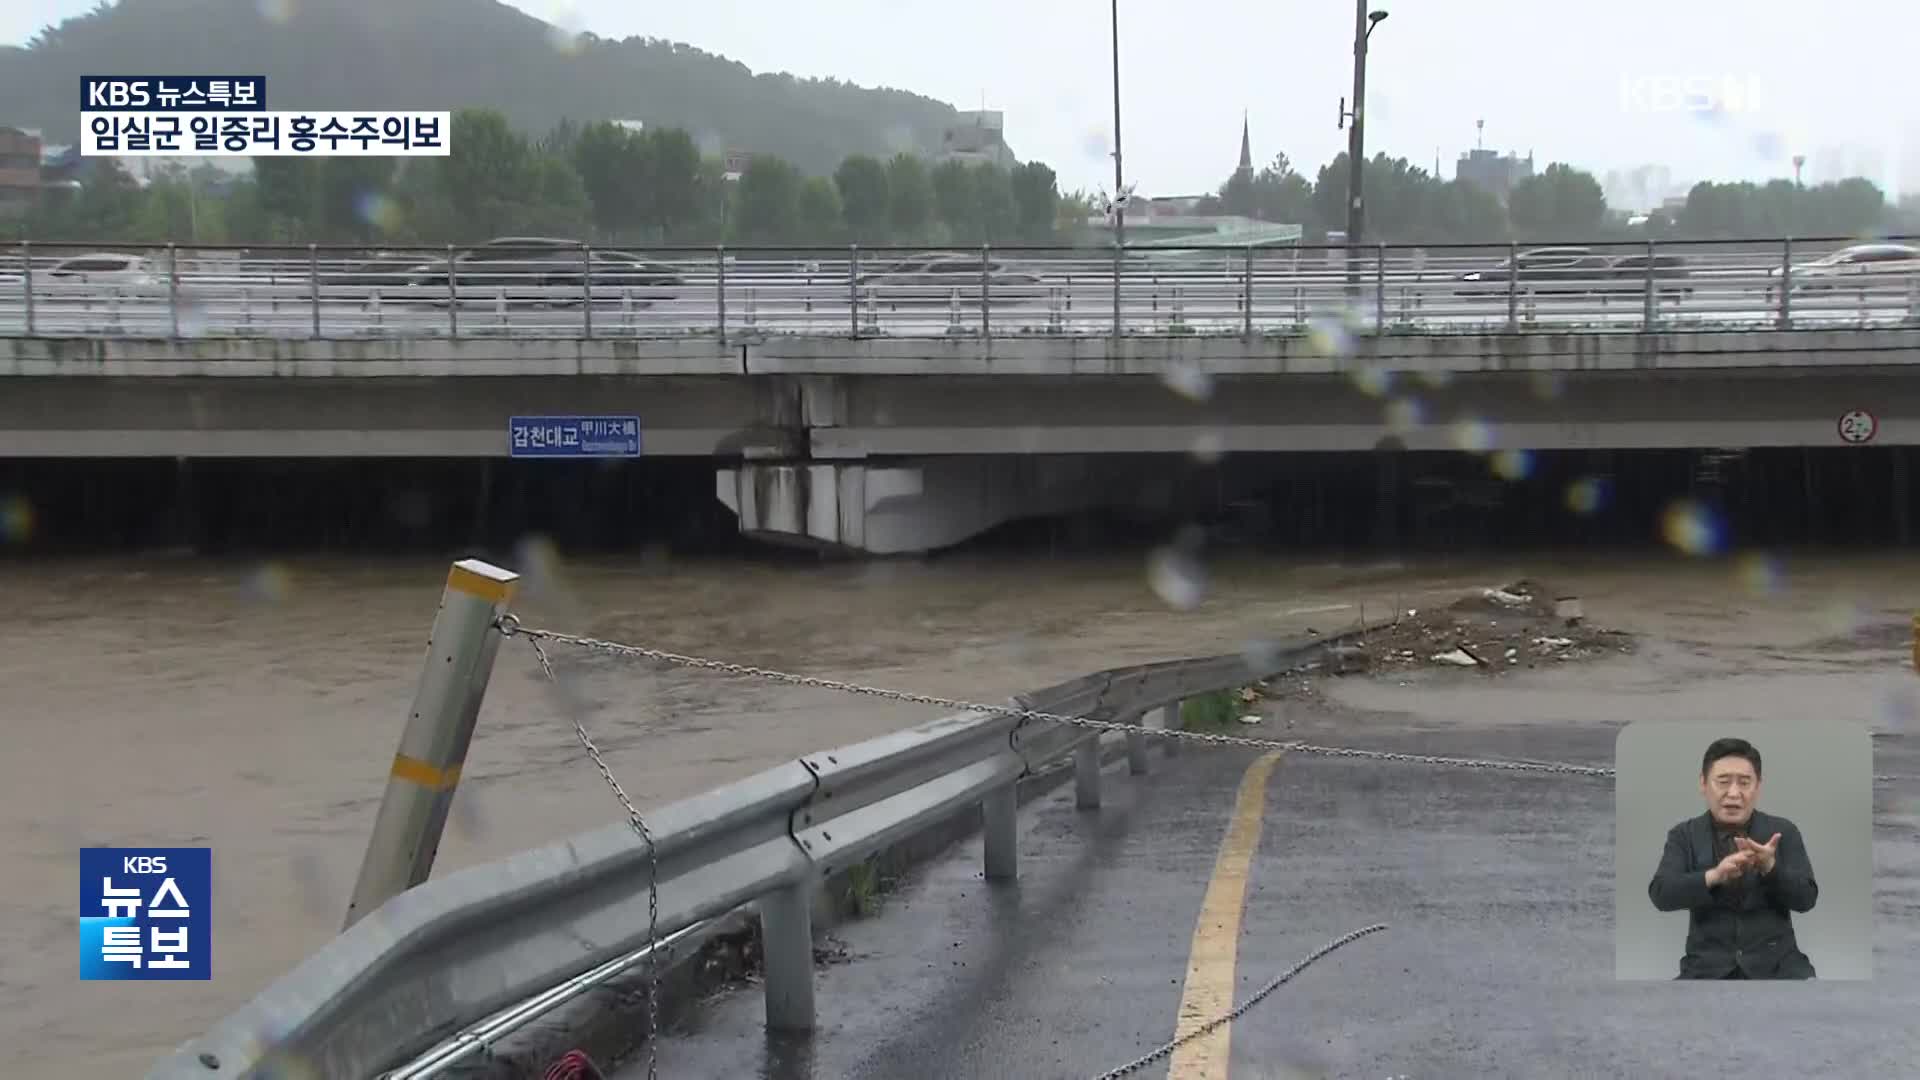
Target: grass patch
{"x": 1209, "y": 712}
{"x": 862, "y": 897}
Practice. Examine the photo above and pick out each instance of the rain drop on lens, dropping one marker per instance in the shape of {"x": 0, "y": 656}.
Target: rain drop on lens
{"x": 1586, "y": 495}
{"x": 1177, "y": 578}
{"x": 1759, "y": 574}
{"x": 1691, "y": 528}
{"x": 1403, "y": 415}
{"x": 16, "y": 519}
{"x": 1472, "y": 435}
{"x": 1209, "y": 447}
{"x": 1372, "y": 380}
{"x": 1190, "y": 381}
{"x": 1512, "y": 465}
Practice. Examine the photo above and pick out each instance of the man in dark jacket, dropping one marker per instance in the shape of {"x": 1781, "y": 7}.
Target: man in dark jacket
{"x": 1739, "y": 874}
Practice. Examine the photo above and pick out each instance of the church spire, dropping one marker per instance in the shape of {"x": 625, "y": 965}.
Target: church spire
{"x": 1246, "y": 146}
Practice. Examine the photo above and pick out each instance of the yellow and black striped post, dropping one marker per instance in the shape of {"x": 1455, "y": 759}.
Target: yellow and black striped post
{"x": 420, "y": 786}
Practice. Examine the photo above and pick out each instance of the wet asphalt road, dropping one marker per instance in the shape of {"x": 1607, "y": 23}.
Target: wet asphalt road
{"x": 1498, "y": 961}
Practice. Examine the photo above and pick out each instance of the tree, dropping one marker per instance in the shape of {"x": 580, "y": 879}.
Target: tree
{"x": 1329, "y": 201}
{"x": 861, "y": 182}
{"x": 1465, "y": 213}
{"x": 615, "y": 167}
{"x": 1075, "y": 211}
{"x": 956, "y": 199}
{"x": 1560, "y": 203}
{"x": 558, "y": 205}
{"x": 1036, "y": 197}
{"x": 289, "y": 193}
{"x": 910, "y": 201}
{"x": 677, "y": 194}
{"x": 350, "y": 193}
{"x": 997, "y": 214}
{"x": 487, "y": 174}
{"x": 1279, "y": 194}
{"x": 768, "y": 201}
{"x": 817, "y": 213}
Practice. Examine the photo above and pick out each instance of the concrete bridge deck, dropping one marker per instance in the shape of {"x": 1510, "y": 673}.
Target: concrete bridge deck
{"x": 888, "y": 445}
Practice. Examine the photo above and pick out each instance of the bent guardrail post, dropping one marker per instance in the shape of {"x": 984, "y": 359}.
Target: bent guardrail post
{"x": 420, "y": 786}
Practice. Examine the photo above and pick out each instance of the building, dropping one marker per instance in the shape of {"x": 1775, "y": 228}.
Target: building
{"x": 977, "y": 138}
{"x": 1493, "y": 172}
{"x": 19, "y": 171}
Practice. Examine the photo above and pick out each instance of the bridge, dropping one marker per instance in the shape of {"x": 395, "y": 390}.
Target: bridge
{"x": 890, "y": 402}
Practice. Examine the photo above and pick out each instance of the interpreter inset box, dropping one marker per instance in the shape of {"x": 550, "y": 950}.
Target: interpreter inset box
{"x": 1743, "y": 850}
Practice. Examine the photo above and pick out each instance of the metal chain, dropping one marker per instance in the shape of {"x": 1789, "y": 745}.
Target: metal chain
{"x": 510, "y": 626}
{"x": 1239, "y": 1010}
{"x": 653, "y": 868}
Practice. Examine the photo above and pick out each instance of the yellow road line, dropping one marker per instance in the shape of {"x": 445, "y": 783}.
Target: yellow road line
{"x": 1216, "y": 937}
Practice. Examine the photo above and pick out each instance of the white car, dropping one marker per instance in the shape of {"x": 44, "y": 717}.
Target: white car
{"x": 1862, "y": 266}
{"x": 101, "y": 272}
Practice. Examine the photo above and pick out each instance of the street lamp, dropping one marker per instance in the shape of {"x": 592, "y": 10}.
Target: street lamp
{"x": 1119, "y": 191}
{"x": 1363, "y": 23}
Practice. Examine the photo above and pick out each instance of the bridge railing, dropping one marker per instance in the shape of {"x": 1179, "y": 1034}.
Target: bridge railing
{"x": 577, "y": 291}
{"x": 422, "y": 960}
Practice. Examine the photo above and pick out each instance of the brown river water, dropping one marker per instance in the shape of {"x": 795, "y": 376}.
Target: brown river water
{"x": 254, "y": 708}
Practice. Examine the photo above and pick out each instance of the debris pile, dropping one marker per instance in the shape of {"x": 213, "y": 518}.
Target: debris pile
{"x": 1521, "y": 624}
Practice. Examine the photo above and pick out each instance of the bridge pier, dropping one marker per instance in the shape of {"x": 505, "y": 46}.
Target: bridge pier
{"x": 915, "y": 506}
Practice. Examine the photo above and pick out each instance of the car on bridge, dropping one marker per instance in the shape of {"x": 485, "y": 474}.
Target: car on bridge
{"x": 380, "y": 270}
{"x": 105, "y": 271}
{"x": 541, "y": 270}
{"x": 1543, "y": 270}
{"x": 1669, "y": 273}
{"x": 100, "y": 273}
{"x": 939, "y": 279}
{"x": 1862, "y": 266}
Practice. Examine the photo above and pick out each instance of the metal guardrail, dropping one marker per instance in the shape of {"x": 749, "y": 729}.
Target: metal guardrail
{"x": 176, "y": 291}
{"x": 432, "y": 960}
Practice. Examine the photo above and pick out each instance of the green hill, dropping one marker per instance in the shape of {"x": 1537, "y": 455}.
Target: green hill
{"x": 449, "y": 54}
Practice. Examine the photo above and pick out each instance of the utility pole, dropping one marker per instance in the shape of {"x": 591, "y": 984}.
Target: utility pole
{"x": 1356, "y": 138}
{"x": 1363, "y": 24}
{"x": 1119, "y": 190}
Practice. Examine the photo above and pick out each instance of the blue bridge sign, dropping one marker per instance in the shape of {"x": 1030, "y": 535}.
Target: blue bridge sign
{"x": 574, "y": 436}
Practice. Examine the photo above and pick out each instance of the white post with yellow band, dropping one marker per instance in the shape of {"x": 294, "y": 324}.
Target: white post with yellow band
{"x": 420, "y": 786}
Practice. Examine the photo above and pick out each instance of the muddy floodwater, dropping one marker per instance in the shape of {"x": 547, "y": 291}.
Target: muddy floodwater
{"x": 254, "y": 708}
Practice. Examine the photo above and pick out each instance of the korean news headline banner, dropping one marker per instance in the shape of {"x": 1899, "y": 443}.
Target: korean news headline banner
{"x": 145, "y": 913}
{"x": 227, "y": 116}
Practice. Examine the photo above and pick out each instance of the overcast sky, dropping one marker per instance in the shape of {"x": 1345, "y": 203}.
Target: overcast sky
{"x": 1568, "y": 81}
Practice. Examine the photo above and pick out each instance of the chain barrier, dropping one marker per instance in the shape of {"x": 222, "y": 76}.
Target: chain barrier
{"x": 653, "y": 862}
{"x": 1238, "y": 1010}
{"x": 510, "y": 626}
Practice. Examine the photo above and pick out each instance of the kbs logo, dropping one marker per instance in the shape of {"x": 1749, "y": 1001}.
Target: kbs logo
{"x": 172, "y": 93}
{"x": 144, "y": 913}
{"x": 1691, "y": 94}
